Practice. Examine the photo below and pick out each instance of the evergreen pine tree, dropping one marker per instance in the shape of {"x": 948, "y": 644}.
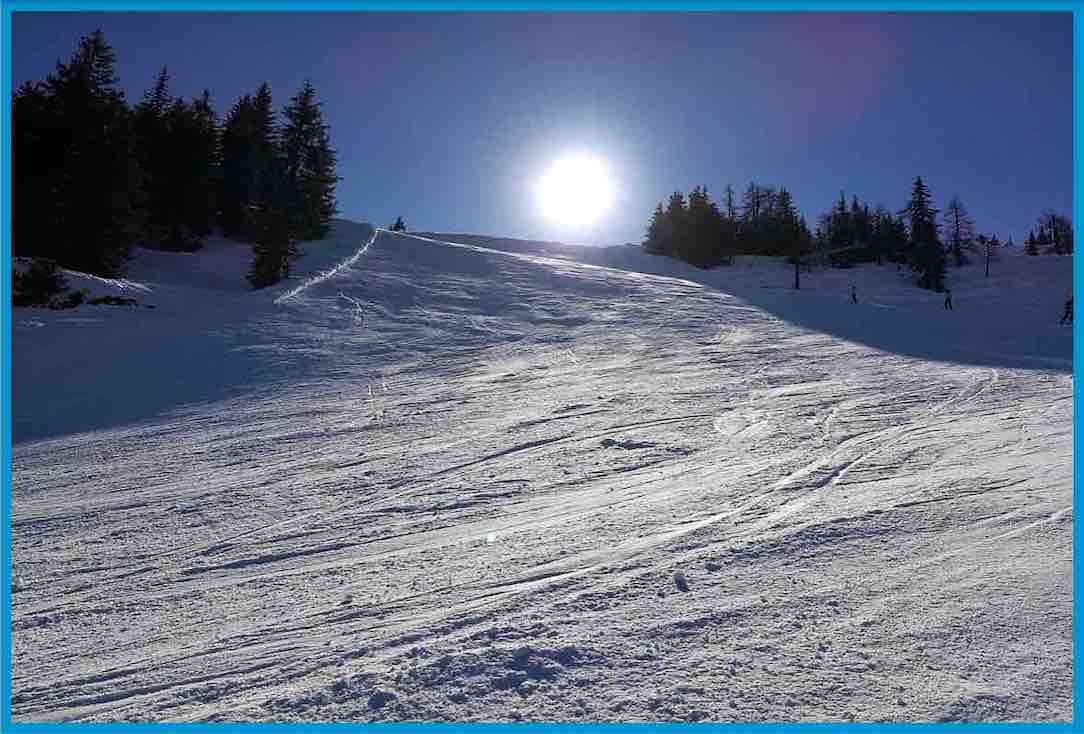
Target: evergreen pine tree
{"x": 178, "y": 153}
{"x": 152, "y": 143}
{"x": 309, "y": 166}
{"x": 751, "y": 222}
{"x": 273, "y": 246}
{"x": 802, "y": 244}
{"x": 268, "y": 168}
{"x": 177, "y": 145}
{"x": 786, "y": 225}
{"x": 655, "y": 241}
{"x": 860, "y": 224}
{"x": 191, "y": 165}
{"x": 74, "y": 165}
{"x": 926, "y": 256}
{"x": 846, "y": 233}
{"x": 841, "y": 226}
{"x": 898, "y": 239}
{"x": 879, "y": 235}
{"x": 704, "y": 230}
{"x": 37, "y": 157}
{"x": 250, "y": 168}
{"x": 675, "y": 224}
{"x": 236, "y": 191}
{"x": 206, "y": 147}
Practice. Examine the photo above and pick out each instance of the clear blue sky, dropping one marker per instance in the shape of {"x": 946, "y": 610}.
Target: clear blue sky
{"x": 448, "y": 119}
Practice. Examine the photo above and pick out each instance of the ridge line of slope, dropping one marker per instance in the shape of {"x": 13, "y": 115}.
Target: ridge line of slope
{"x": 536, "y": 257}
{"x": 321, "y": 277}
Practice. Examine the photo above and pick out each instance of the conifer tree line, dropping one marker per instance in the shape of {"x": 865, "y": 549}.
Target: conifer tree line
{"x": 92, "y": 176}
{"x": 766, "y": 222}
{"x": 705, "y": 234}
{"x": 1053, "y": 235}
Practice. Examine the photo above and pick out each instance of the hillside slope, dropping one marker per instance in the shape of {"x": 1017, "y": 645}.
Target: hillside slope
{"x": 457, "y": 482}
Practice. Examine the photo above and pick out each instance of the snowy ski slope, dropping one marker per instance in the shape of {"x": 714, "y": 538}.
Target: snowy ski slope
{"x": 470, "y": 481}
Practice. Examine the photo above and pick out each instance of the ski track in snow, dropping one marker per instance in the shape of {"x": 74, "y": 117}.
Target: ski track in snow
{"x": 451, "y": 481}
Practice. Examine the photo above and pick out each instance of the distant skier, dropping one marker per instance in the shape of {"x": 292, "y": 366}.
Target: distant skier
{"x": 854, "y": 295}
{"x": 948, "y": 300}
{"x": 1067, "y": 317}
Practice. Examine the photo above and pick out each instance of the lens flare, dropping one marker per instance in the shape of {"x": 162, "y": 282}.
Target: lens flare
{"x": 576, "y": 191}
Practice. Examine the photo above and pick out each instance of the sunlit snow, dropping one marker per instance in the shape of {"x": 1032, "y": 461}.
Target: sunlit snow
{"x": 500, "y": 480}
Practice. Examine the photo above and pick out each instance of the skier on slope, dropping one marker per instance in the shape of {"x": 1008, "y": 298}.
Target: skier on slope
{"x": 854, "y": 294}
{"x": 1067, "y": 317}
{"x": 948, "y": 300}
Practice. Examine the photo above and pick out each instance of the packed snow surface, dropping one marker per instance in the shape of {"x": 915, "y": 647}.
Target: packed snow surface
{"x": 448, "y": 477}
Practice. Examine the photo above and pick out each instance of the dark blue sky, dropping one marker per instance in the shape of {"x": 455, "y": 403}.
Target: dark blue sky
{"x": 448, "y": 119}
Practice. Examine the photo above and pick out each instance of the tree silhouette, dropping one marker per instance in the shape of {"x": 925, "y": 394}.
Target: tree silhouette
{"x": 309, "y": 166}
{"x": 75, "y": 173}
{"x": 926, "y": 256}
{"x": 959, "y": 230}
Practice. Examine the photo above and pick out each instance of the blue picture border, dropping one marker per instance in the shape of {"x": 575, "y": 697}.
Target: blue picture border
{"x": 6, "y": 11}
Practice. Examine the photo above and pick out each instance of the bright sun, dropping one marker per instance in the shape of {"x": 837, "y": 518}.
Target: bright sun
{"x": 576, "y": 191}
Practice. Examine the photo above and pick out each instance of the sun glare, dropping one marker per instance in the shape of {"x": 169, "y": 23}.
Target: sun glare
{"x": 576, "y": 191}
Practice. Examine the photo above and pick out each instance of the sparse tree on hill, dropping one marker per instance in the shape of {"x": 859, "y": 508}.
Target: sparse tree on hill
{"x": 1056, "y": 232}
{"x": 730, "y": 211}
{"x": 959, "y": 230}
